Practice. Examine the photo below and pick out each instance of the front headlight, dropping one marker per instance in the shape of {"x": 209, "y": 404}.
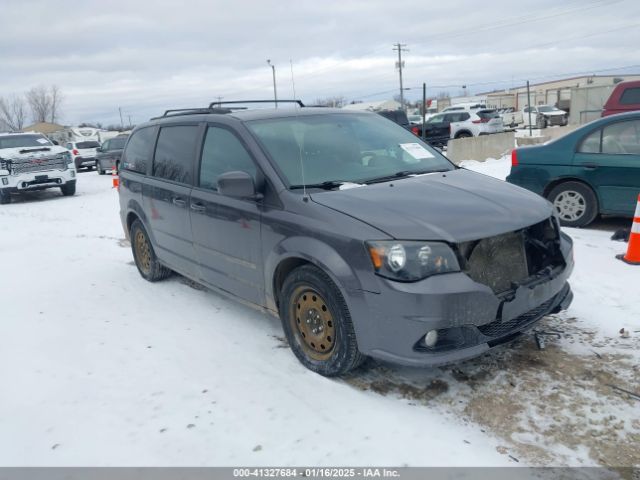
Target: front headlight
{"x": 409, "y": 261}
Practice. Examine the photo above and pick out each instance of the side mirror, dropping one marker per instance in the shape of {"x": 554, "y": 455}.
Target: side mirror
{"x": 99, "y": 149}
{"x": 237, "y": 185}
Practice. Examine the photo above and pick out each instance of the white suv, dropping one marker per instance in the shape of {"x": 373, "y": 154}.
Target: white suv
{"x": 83, "y": 153}
{"x": 478, "y": 122}
{"x": 29, "y": 161}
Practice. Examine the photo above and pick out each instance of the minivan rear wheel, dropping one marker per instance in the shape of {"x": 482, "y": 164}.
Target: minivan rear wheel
{"x": 575, "y": 204}
{"x": 317, "y": 323}
{"x": 145, "y": 258}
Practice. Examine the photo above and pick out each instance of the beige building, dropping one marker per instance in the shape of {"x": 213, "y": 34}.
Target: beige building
{"x": 45, "y": 128}
{"x": 555, "y": 92}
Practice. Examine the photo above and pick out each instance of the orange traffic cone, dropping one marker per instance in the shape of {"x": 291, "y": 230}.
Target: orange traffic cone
{"x": 115, "y": 179}
{"x": 633, "y": 250}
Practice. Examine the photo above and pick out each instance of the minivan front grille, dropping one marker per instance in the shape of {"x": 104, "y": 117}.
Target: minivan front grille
{"x": 504, "y": 261}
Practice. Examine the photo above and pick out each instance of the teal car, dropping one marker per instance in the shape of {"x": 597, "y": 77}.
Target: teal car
{"x": 590, "y": 171}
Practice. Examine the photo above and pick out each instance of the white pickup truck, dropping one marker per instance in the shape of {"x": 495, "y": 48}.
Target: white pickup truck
{"x": 30, "y": 161}
{"x": 543, "y": 116}
{"x": 510, "y": 117}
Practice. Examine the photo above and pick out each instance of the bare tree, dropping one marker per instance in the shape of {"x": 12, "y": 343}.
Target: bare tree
{"x": 13, "y": 112}
{"x": 44, "y": 103}
{"x": 56, "y": 97}
{"x": 335, "y": 102}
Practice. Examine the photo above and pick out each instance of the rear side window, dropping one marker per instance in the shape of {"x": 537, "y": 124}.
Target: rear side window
{"x": 487, "y": 114}
{"x": 223, "y": 152}
{"x": 591, "y": 143}
{"x": 138, "y": 151}
{"x": 630, "y": 96}
{"x": 173, "y": 159}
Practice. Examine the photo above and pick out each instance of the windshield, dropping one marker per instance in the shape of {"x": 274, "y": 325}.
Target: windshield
{"x": 344, "y": 148}
{"x": 546, "y": 108}
{"x": 24, "y": 141}
{"x": 82, "y": 145}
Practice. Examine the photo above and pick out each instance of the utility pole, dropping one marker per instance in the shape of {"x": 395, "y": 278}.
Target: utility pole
{"x": 529, "y": 107}
{"x": 121, "y": 122}
{"x": 399, "y": 65}
{"x": 275, "y": 91}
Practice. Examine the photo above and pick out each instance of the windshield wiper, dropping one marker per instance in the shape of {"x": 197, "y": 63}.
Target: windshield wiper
{"x": 328, "y": 185}
{"x": 401, "y": 174}
{"x": 29, "y": 150}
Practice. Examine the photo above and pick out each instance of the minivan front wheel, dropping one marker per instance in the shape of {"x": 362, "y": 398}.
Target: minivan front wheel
{"x": 145, "y": 258}
{"x": 575, "y": 204}
{"x": 317, "y": 323}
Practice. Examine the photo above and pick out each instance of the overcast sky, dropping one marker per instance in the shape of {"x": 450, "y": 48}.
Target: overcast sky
{"x": 150, "y": 55}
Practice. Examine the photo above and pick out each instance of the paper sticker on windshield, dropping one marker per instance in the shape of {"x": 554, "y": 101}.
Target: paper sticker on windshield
{"x": 416, "y": 150}
{"x": 43, "y": 141}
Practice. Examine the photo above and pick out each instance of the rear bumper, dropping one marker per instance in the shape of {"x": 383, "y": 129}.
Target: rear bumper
{"x": 467, "y": 316}
{"x": 84, "y": 162}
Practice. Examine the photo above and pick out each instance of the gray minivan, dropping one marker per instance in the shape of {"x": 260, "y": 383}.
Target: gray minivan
{"x": 362, "y": 238}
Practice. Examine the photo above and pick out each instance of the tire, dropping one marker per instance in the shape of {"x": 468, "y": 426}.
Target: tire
{"x": 5, "y": 197}
{"x": 68, "y": 189}
{"x": 541, "y": 122}
{"x": 323, "y": 339}
{"x": 100, "y": 170}
{"x": 575, "y": 204}
{"x": 463, "y": 135}
{"x": 145, "y": 258}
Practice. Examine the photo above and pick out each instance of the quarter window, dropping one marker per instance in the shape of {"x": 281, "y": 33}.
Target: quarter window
{"x": 591, "y": 143}
{"x": 139, "y": 150}
{"x": 223, "y": 152}
{"x": 173, "y": 159}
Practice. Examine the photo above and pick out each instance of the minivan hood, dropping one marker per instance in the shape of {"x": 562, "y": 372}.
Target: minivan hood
{"x": 455, "y": 206}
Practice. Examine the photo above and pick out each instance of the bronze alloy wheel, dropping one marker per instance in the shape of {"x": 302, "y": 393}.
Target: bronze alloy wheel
{"x": 312, "y": 323}
{"x": 143, "y": 251}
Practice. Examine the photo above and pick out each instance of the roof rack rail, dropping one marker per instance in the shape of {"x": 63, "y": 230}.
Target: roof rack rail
{"x": 236, "y": 102}
{"x": 191, "y": 111}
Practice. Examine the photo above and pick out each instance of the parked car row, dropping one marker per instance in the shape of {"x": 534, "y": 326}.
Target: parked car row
{"x": 90, "y": 154}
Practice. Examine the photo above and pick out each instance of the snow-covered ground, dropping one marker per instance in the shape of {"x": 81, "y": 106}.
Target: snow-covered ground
{"x": 99, "y": 367}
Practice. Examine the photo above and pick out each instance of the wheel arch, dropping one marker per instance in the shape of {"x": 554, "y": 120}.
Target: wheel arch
{"x": 465, "y": 131}
{"x": 294, "y": 252}
{"x": 559, "y": 181}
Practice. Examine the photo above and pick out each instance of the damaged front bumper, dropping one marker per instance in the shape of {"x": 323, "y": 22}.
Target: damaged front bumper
{"x": 467, "y": 316}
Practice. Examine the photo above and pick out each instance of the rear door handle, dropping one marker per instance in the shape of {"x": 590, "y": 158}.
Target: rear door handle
{"x": 178, "y": 202}
{"x": 590, "y": 166}
{"x": 198, "y": 207}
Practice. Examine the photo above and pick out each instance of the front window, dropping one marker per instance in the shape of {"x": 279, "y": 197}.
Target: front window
{"x": 344, "y": 148}
{"x": 24, "y": 141}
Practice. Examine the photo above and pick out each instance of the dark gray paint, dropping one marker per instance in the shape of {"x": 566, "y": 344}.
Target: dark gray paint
{"x": 238, "y": 244}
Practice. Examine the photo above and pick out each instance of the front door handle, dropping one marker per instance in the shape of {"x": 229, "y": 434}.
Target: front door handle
{"x": 178, "y": 202}
{"x": 590, "y": 166}
{"x": 198, "y": 207}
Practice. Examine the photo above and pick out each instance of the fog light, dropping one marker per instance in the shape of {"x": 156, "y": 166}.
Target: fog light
{"x": 5, "y": 181}
{"x": 431, "y": 338}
